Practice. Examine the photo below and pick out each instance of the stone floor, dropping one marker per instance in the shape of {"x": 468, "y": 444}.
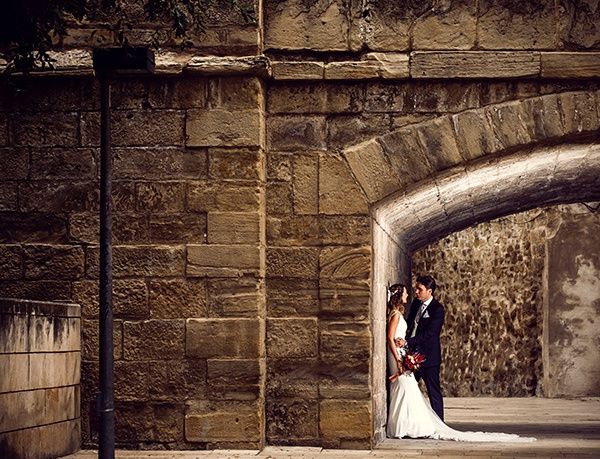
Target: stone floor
{"x": 564, "y": 429}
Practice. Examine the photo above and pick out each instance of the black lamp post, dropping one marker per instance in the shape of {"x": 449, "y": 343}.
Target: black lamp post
{"x": 110, "y": 64}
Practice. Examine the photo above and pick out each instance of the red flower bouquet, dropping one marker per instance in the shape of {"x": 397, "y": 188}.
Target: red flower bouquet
{"x": 411, "y": 362}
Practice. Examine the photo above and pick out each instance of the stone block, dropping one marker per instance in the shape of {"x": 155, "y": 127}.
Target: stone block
{"x": 287, "y": 298}
{"x": 290, "y": 25}
{"x": 222, "y": 197}
{"x": 3, "y": 130}
{"x": 131, "y": 128}
{"x": 292, "y": 378}
{"x": 153, "y": 339}
{"x": 437, "y": 136}
{"x": 150, "y": 422}
{"x": 239, "y": 93}
{"x": 341, "y": 298}
{"x": 279, "y": 166}
{"x": 345, "y": 229}
{"x": 90, "y": 341}
{"x": 390, "y": 65}
{"x": 9, "y": 198}
{"x": 129, "y": 298}
{"x": 223, "y": 338}
{"x": 352, "y": 70}
{"x": 160, "y": 197}
{"x": 305, "y": 184}
{"x": 183, "y": 93}
{"x": 282, "y": 70}
{"x": 451, "y": 26}
{"x": 141, "y": 260}
{"x": 474, "y": 64}
{"x": 38, "y": 130}
{"x": 53, "y": 440}
{"x": 58, "y": 197}
{"x": 233, "y": 228}
{"x": 427, "y": 97}
{"x": 53, "y": 262}
{"x": 233, "y": 379}
{"x": 177, "y": 298}
{"x": 53, "y": 370}
{"x": 570, "y": 65}
{"x": 292, "y": 133}
{"x": 240, "y": 297}
{"x": 302, "y": 262}
{"x": 512, "y": 125}
{"x": 16, "y": 163}
{"x": 59, "y": 163}
{"x": 372, "y": 170}
{"x": 14, "y": 334}
{"x": 344, "y": 97}
{"x": 345, "y": 262}
{"x": 342, "y": 380}
{"x": 474, "y": 134}
{"x": 292, "y": 338}
{"x": 222, "y": 128}
{"x": 293, "y": 231}
{"x": 279, "y": 198}
{"x": 345, "y": 419}
{"x": 238, "y": 164}
{"x": 389, "y": 25}
{"x": 54, "y": 334}
{"x": 189, "y": 228}
{"x": 407, "y": 155}
{"x": 349, "y": 130}
{"x": 124, "y": 195}
{"x": 11, "y": 258}
{"x": 350, "y": 339}
{"x": 47, "y": 290}
{"x": 506, "y": 25}
{"x": 338, "y": 191}
{"x": 297, "y": 98}
{"x": 579, "y": 112}
{"x": 292, "y": 420}
{"x": 220, "y": 422}
{"x": 159, "y": 163}
{"x": 222, "y": 260}
{"x": 578, "y": 24}
{"x": 22, "y": 410}
{"x": 32, "y": 227}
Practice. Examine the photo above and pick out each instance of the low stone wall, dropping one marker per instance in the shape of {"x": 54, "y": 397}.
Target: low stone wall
{"x": 40, "y": 353}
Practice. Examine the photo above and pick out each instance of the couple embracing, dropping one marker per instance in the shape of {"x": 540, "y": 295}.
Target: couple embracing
{"x": 409, "y": 415}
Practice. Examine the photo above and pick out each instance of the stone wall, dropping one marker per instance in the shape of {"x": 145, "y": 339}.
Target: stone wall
{"x": 40, "y": 353}
{"x": 519, "y": 293}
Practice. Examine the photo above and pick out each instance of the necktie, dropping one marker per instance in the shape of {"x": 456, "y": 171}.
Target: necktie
{"x": 417, "y": 319}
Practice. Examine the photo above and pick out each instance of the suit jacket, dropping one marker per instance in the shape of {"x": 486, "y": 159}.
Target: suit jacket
{"x": 427, "y": 339}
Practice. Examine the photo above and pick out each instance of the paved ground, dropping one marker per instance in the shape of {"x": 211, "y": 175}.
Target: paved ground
{"x": 564, "y": 429}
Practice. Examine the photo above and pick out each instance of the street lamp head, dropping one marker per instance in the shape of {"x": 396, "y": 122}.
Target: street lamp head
{"x": 124, "y": 61}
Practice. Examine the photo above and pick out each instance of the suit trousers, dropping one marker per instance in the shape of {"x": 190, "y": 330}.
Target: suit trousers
{"x": 431, "y": 376}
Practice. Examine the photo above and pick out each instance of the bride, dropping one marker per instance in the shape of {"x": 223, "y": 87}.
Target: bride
{"x": 409, "y": 414}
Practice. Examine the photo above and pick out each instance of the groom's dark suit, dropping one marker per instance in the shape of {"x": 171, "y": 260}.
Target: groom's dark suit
{"x": 427, "y": 342}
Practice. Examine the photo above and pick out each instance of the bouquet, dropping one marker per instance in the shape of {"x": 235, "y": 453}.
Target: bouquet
{"x": 411, "y": 362}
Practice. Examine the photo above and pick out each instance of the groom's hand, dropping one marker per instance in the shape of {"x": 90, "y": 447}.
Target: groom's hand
{"x": 400, "y": 342}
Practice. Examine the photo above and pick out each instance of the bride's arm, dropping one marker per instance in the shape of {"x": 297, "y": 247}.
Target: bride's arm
{"x": 391, "y": 334}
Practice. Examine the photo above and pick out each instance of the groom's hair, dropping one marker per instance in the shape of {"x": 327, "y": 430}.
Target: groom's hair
{"x": 428, "y": 282}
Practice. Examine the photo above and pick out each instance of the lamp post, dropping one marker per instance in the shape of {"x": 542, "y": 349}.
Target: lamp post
{"x": 110, "y": 64}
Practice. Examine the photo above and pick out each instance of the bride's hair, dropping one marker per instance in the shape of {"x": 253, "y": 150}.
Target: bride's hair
{"x": 395, "y": 303}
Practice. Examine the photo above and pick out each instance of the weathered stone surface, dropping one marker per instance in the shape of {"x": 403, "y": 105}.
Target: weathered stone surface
{"x": 293, "y": 378}
{"x": 372, "y": 170}
{"x": 226, "y": 65}
{"x": 235, "y": 164}
{"x": 578, "y": 24}
{"x": 188, "y": 92}
{"x": 579, "y": 112}
{"x": 159, "y": 163}
{"x": 451, "y": 26}
{"x": 90, "y": 339}
{"x": 240, "y": 297}
{"x": 233, "y": 228}
{"x": 3, "y": 130}
{"x": 53, "y": 262}
{"x": 305, "y": 183}
{"x": 390, "y": 65}
{"x": 474, "y": 64}
{"x": 344, "y": 229}
{"x": 287, "y": 299}
{"x": 233, "y": 379}
{"x": 36, "y": 130}
{"x": 222, "y": 260}
{"x": 129, "y": 298}
{"x": 349, "y": 130}
{"x": 282, "y": 70}
{"x": 190, "y": 228}
{"x": 297, "y": 98}
{"x": 300, "y": 262}
{"x": 57, "y": 197}
{"x": 218, "y": 422}
{"x": 351, "y": 339}
{"x": 222, "y": 338}
{"x": 145, "y": 422}
{"x": 160, "y": 197}
{"x": 389, "y": 25}
{"x": 32, "y": 227}
{"x": 141, "y": 260}
{"x": 279, "y": 166}
{"x": 47, "y": 290}
{"x": 345, "y": 419}
{"x": 474, "y": 134}
{"x": 352, "y": 70}
{"x": 292, "y": 338}
{"x": 16, "y": 163}
{"x": 292, "y": 420}
{"x": 177, "y": 298}
{"x": 522, "y": 25}
{"x": 59, "y": 163}
{"x": 344, "y": 298}
{"x": 286, "y": 133}
{"x": 153, "y": 339}
{"x": 132, "y": 128}
{"x": 437, "y": 136}
{"x": 222, "y": 197}
{"x": 345, "y": 380}
{"x": 11, "y": 262}
{"x": 9, "y": 199}
{"x": 338, "y": 191}
{"x": 219, "y": 127}
{"x": 345, "y": 262}
{"x": 123, "y": 195}
{"x": 290, "y": 25}
{"x": 512, "y": 125}
{"x": 279, "y": 198}
{"x": 293, "y": 231}
{"x": 570, "y": 65}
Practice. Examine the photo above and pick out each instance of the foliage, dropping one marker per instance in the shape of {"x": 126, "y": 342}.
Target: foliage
{"x": 28, "y": 28}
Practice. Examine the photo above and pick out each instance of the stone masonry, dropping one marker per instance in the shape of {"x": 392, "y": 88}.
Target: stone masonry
{"x": 269, "y": 182}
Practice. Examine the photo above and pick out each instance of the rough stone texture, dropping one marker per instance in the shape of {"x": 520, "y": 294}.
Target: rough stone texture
{"x": 177, "y": 298}
{"x": 222, "y": 260}
{"x": 216, "y": 128}
{"x": 338, "y": 191}
{"x": 452, "y": 26}
{"x": 344, "y": 419}
{"x": 222, "y": 338}
{"x": 561, "y": 65}
{"x": 222, "y": 421}
{"x": 578, "y": 23}
{"x": 292, "y": 338}
{"x": 153, "y": 339}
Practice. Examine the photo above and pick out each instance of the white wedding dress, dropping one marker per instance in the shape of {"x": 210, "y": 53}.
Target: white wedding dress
{"x": 410, "y": 415}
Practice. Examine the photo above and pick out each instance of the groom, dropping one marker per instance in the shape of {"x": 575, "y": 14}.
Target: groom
{"x": 425, "y": 322}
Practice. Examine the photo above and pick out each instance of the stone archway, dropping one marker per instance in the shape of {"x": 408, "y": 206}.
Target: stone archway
{"x": 429, "y": 179}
